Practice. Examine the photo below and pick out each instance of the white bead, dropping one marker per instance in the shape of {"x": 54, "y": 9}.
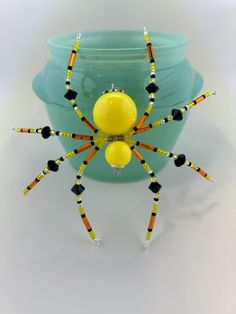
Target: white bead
{"x": 147, "y": 244}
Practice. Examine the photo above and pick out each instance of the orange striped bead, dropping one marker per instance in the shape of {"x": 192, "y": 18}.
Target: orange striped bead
{"x": 25, "y": 130}
{"x": 86, "y": 223}
{"x": 199, "y": 99}
{"x": 82, "y": 137}
{"x": 72, "y": 59}
{"x": 152, "y": 222}
{"x": 147, "y": 146}
{"x": 32, "y": 184}
{"x": 84, "y": 147}
{"x": 136, "y": 153}
{"x": 89, "y": 125}
{"x": 141, "y": 121}
{"x": 202, "y": 173}
{"x": 150, "y": 52}
{"x": 90, "y": 155}
{"x": 145, "y": 128}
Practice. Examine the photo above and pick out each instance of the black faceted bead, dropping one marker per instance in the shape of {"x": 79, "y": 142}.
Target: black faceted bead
{"x": 177, "y": 114}
{"x": 155, "y": 187}
{"x": 78, "y": 189}
{"x": 152, "y": 88}
{"x": 70, "y": 94}
{"x": 46, "y": 132}
{"x": 52, "y": 165}
{"x": 180, "y": 160}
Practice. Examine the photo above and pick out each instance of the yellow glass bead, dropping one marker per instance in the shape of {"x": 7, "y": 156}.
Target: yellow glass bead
{"x": 81, "y": 210}
{"x": 208, "y": 94}
{"x": 92, "y": 235}
{"x": 24, "y": 192}
{"x": 146, "y": 167}
{"x": 114, "y": 113}
{"x": 79, "y": 113}
{"x": 154, "y": 208}
{"x": 118, "y": 154}
{"x": 149, "y": 108}
{"x": 40, "y": 176}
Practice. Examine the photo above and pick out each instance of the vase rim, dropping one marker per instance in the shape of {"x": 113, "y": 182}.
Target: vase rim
{"x": 160, "y": 40}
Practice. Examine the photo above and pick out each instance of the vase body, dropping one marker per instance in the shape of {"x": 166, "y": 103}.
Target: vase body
{"x": 118, "y": 57}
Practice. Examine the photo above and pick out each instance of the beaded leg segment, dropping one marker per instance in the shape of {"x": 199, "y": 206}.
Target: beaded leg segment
{"x": 53, "y": 165}
{"x": 179, "y": 160}
{"x": 78, "y": 189}
{"x": 152, "y": 88}
{"x": 46, "y": 132}
{"x": 71, "y": 94}
{"x": 155, "y": 188}
{"x": 176, "y": 114}
{"x": 120, "y": 143}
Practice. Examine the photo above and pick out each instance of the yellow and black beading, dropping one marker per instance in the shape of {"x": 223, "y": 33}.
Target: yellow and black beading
{"x": 117, "y": 134}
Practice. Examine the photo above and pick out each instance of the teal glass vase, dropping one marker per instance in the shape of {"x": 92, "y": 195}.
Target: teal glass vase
{"x": 118, "y": 57}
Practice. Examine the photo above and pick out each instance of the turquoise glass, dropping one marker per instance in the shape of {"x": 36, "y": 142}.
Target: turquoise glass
{"x": 118, "y": 57}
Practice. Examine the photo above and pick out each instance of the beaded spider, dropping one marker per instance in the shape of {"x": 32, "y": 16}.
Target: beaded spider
{"x": 115, "y": 114}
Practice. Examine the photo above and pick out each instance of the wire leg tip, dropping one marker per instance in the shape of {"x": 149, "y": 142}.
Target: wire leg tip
{"x": 98, "y": 242}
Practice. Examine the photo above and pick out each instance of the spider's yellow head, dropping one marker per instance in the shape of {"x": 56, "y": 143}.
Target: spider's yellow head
{"x": 114, "y": 113}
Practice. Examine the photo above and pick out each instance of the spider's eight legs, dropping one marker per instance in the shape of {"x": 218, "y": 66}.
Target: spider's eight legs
{"x": 152, "y": 88}
{"x": 53, "y": 166}
{"x": 78, "y": 189}
{"x": 179, "y": 160}
{"x": 176, "y": 114}
{"x": 155, "y": 188}
{"x": 71, "y": 94}
{"x": 46, "y": 132}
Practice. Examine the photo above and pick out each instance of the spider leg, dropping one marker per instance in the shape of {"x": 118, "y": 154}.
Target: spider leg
{"x": 152, "y": 88}
{"x": 78, "y": 189}
{"x": 46, "y": 132}
{"x": 176, "y": 114}
{"x": 155, "y": 188}
{"x": 179, "y": 160}
{"x": 53, "y": 166}
{"x": 71, "y": 94}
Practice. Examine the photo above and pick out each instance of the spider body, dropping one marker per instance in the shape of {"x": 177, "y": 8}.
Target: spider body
{"x": 115, "y": 115}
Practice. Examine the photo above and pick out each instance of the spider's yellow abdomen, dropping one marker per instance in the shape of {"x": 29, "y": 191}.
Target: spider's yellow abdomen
{"x": 118, "y": 154}
{"x": 114, "y": 113}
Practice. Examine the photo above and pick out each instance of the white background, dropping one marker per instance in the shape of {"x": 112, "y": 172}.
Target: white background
{"x": 47, "y": 264}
